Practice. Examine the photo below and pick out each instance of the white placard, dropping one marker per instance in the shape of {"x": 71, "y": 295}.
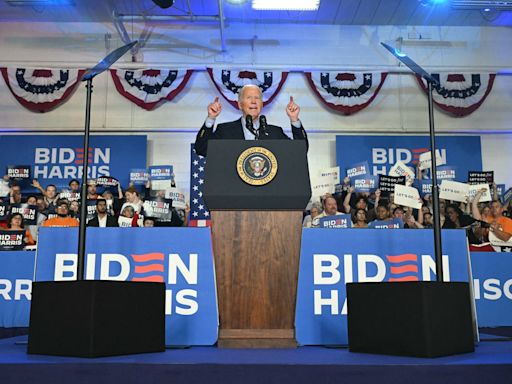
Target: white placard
{"x": 473, "y": 189}
{"x": 407, "y": 196}
{"x": 177, "y": 196}
{"x": 320, "y": 185}
{"x": 453, "y": 190}
{"x": 160, "y": 185}
{"x": 333, "y": 172}
{"x": 425, "y": 160}
{"x": 400, "y": 169}
{"x": 124, "y": 222}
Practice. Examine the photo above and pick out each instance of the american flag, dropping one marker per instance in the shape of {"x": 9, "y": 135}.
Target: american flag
{"x": 199, "y": 214}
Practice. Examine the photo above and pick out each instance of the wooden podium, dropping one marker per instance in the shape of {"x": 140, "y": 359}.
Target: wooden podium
{"x": 256, "y": 233}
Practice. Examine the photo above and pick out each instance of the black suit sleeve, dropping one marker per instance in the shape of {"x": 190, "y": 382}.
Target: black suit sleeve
{"x": 201, "y": 144}
{"x": 300, "y": 134}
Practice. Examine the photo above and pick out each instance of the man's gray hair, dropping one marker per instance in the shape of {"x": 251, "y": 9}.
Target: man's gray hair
{"x": 242, "y": 90}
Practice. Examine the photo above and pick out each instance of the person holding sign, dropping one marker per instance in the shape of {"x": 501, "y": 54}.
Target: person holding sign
{"x": 102, "y": 219}
{"x": 15, "y": 223}
{"x": 251, "y": 126}
{"x": 500, "y": 226}
{"x": 330, "y": 209}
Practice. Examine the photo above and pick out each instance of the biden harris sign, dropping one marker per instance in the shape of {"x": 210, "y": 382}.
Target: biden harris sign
{"x": 382, "y": 152}
{"x": 58, "y": 159}
{"x": 330, "y": 258}
{"x": 144, "y": 254}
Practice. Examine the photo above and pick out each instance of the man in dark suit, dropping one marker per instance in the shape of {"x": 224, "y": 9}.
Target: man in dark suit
{"x": 102, "y": 219}
{"x": 250, "y": 102}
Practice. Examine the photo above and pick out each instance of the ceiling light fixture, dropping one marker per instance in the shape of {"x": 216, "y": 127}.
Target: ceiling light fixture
{"x": 35, "y": 3}
{"x": 286, "y": 5}
{"x": 502, "y": 5}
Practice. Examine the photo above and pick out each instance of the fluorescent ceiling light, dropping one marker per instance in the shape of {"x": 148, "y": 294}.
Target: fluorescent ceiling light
{"x": 504, "y": 5}
{"x": 286, "y": 5}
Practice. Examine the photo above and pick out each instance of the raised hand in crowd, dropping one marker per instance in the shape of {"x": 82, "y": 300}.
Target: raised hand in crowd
{"x": 214, "y": 108}
{"x": 36, "y": 184}
{"x": 292, "y": 110}
{"x": 474, "y": 204}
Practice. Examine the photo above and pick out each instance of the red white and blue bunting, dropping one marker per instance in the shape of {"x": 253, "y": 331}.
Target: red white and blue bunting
{"x": 150, "y": 87}
{"x": 460, "y": 93}
{"x": 41, "y": 90}
{"x": 230, "y": 81}
{"x": 346, "y": 92}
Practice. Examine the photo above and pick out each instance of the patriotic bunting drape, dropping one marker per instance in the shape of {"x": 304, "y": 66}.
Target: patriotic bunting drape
{"x": 346, "y": 92}
{"x": 199, "y": 213}
{"x": 41, "y": 90}
{"x": 460, "y": 93}
{"x": 150, "y": 87}
{"x": 229, "y": 82}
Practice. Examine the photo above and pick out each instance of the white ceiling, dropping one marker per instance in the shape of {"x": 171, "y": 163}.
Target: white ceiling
{"x": 331, "y": 12}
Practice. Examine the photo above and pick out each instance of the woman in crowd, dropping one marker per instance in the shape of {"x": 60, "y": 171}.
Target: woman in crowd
{"x": 15, "y": 223}
{"x": 360, "y": 219}
{"x": 316, "y": 209}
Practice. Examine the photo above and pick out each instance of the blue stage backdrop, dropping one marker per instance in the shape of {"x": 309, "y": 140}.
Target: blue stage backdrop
{"x": 492, "y": 277}
{"x": 382, "y": 152}
{"x": 180, "y": 257}
{"x": 58, "y": 159}
{"x": 332, "y": 257}
{"x": 16, "y": 272}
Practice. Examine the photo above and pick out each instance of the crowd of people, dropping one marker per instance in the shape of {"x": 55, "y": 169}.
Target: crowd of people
{"x": 480, "y": 218}
{"x": 113, "y": 207}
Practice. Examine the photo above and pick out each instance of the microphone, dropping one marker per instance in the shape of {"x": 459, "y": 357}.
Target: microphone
{"x": 263, "y": 125}
{"x": 249, "y": 125}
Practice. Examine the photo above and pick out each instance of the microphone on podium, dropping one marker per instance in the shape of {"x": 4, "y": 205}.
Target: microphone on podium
{"x": 249, "y": 125}
{"x": 263, "y": 125}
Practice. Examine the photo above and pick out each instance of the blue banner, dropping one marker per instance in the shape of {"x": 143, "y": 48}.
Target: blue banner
{"x": 365, "y": 183}
{"x": 395, "y": 223}
{"x": 358, "y": 170}
{"x": 145, "y": 254}
{"x": 330, "y": 258}
{"x": 336, "y": 221}
{"x": 492, "y": 281}
{"x": 382, "y": 152}
{"x": 58, "y": 159}
{"x": 16, "y": 271}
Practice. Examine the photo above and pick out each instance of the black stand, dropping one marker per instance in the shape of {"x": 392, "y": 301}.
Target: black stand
{"x": 426, "y": 319}
{"x": 96, "y": 318}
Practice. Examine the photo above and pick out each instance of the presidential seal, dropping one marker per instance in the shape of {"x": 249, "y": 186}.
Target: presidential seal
{"x": 257, "y": 166}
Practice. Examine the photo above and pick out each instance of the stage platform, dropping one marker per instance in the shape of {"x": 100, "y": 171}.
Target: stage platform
{"x": 492, "y": 363}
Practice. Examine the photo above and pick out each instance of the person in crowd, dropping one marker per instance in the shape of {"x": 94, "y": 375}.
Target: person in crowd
{"x": 316, "y": 209}
{"x": 49, "y": 193}
{"x": 15, "y": 223}
{"x": 360, "y": 202}
{"x": 42, "y": 207}
{"x": 74, "y": 209}
{"x": 455, "y": 218}
{"x": 360, "y": 218}
{"x": 102, "y": 218}
{"x": 330, "y": 209}
{"x": 63, "y": 218}
{"x": 15, "y": 196}
{"x": 74, "y": 186}
{"x": 250, "y": 102}
{"x": 132, "y": 198}
{"x": 499, "y": 225}
{"x": 92, "y": 192}
{"x": 128, "y": 217}
{"x": 148, "y": 222}
{"x": 34, "y": 229}
{"x": 428, "y": 220}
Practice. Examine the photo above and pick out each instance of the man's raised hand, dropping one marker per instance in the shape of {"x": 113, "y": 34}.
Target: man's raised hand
{"x": 214, "y": 108}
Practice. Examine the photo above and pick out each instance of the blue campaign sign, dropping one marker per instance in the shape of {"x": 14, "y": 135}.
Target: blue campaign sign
{"x": 16, "y": 271}
{"x": 336, "y": 221}
{"x": 382, "y": 152}
{"x": 145, "y": 254}
{"x": 58, "y": 159}
{"x": 329, "y": 259}
{"x": 492, "y": 282}
{"x": 395, "y": 223}
{"x": 358, "y": 170}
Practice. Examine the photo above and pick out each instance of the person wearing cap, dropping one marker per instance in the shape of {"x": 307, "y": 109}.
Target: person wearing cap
{"x": 250, "y": 102}
{"x": 102, "y": 218}
{"x": 63, "y": 219}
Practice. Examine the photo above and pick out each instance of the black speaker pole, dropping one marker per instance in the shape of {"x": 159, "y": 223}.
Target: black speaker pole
{"x": 435, "y": 190}
{"x": 418, "y": 70}
{"x": 103, "y": 65}
{"x": 83, "y": 193}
